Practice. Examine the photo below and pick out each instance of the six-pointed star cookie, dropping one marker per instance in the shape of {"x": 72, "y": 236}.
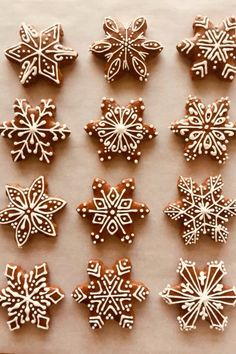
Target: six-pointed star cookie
{"x": 28, "y": 296}
{"x": 40, "y": 53}
{"x": 125, "y": 49}
{"x": 200, "y": 294}
{"x": 30, "y": 210}
{"x": 202, "y": 210}
{"x": 110, "y": 293}
{"x": 112, "y": 211}
{"x": 33, "y": 130}
{"x": 121, "y": 130}
{"x": 206, "y": 129}
{"x": 212, "y": 49}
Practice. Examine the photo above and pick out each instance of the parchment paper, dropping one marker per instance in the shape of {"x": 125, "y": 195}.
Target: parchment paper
{"x": 158, "y": 245}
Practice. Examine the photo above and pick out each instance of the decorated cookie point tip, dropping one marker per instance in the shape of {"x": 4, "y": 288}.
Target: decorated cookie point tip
{"x": 120, "y": 130}
{"x": 40, "y": 53}
{"x": 206, "y": 129}
{"x": 112, "y": 211}
{"x": 110, "y": 293}
{"x": 30, "y": 210}
{"x": 34, "y": 130}
{"x": 28, "y": 296}
{"x": 203, "y": 210}
{"x": 125, "y": 49}
{"x": 201, "y": 294}
{"x": 212, "y": 49}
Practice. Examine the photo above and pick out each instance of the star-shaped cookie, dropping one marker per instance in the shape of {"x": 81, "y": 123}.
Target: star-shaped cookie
{"x": 30, "y": 210}
{"x": 203, "y": 210}
{"x": 212, "y": 49}
{"x": 33, "y": 130}
{"x": 121, "y": 130}
{"x": 110, "y": 294}
{"x": 112, "y": 210}
{"x": 125, "y": 48}
{"x": 28, "y": 296}
{"x": 206, "y": 129}
{"x": 201, "y": 294}
{"x": 40, "y": 53}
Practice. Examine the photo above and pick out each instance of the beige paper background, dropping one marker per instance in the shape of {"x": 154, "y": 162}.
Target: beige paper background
{"x": 158, "y": 246}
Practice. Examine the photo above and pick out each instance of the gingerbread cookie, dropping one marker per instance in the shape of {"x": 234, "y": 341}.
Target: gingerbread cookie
{"x": 40, "y": 53}
{"x": 112, "y": 211}
{"x": 200, "y": 294}
{"x": 121, "y": 130}
{"x": 30, "y": 210}
{"x": 110, "y": 293}
{"x": 34, "y": 130}
{"x": 202, "y": 210}
{"x": 28, "y": 296}
{"x": 206, "y": 129}
{"x": 212, "y": 49}
{"x": 125, "y": 49}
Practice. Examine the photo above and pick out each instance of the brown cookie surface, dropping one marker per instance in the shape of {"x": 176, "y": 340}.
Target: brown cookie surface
{"x": 200, "y": 294}
{"x": 34, "y": 130}
{"x": 121, "y": 130}
{"x": 40, "y": 53}
{"x": 28, "y": 296}
{"x": 110, "y": 293}
{"x": 125, "y": 48}
{"x": 212, "y": 49}
{"x": 206, "y": 129}
{"x": 30, "y": 210}
{"x": 203, "y": 210}
{"x": 112, "y": 211}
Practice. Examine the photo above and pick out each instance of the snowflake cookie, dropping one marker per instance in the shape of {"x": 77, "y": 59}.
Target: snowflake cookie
{"x": 202, "y": 210}
{"x": 28, "y": 296}
{"x": 212, "y": 49}
{"x": 33, "y": 130}
{"x": 40, "y": 53}
{"x": 110, "y": 293}
{"x": 200, "y": 294}
{"x": 121, "y": 130}
{"x": 112, "y": 211}
{"x": 125, "y": 49}
{"x": 206, "y": 129}
{"x": 30, "y": 210}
